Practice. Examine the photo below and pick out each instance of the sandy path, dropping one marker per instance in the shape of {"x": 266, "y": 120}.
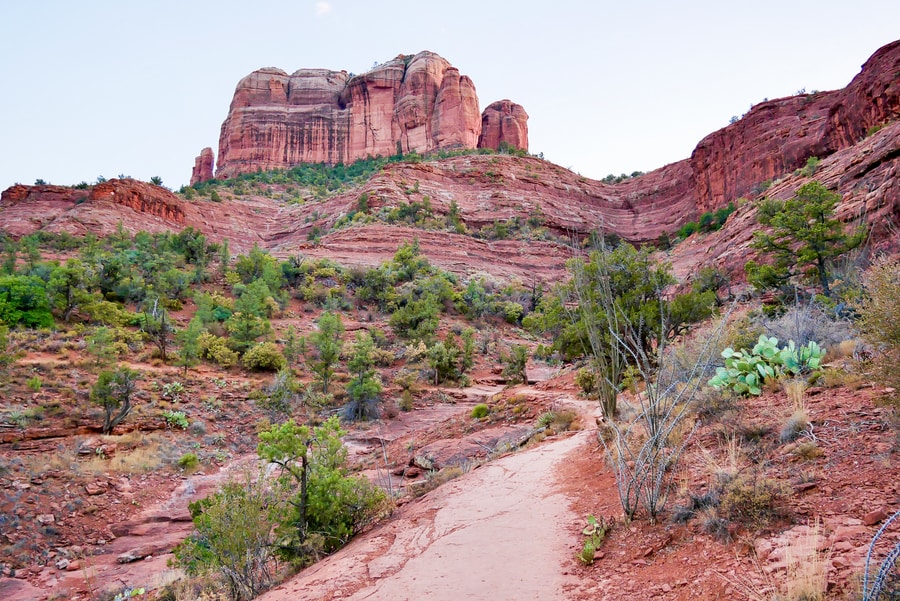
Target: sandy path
{"x": 498, "y": 533}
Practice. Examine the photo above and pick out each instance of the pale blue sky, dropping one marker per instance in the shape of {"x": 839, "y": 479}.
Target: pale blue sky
{"x": 107, "y": 87}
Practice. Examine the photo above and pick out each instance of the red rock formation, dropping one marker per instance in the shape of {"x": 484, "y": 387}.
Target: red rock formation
{"x": 778, "y": 136}
{"x": 203, "y": 166}
{"x": 141, "y": 197}
{"x": 506, "y": 122}
{"x": 412, "y": 103}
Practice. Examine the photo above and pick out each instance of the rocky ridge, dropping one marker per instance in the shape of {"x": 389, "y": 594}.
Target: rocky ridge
{"x": 853, "y": 131}
{"x": 417, "y": 103}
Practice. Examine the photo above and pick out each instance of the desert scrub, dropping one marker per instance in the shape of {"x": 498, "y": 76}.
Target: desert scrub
{"x": 881, "y": 317}
{"x": 189, "y": 462}
{"x": 753, "y": 500}
{"x": 480, "y": 411}
{"x": 176, "y": 419}
{"x": 264, "y": 356}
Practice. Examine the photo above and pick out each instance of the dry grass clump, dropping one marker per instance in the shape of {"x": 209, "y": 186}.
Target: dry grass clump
{"x": 798, "y": 422}
{"x": 434, "y": 479}
{"x": 753, "y": 500}
{"x": 806, "y": 577}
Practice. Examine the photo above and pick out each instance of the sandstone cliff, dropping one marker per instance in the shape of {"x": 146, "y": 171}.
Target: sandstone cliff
{"x": 411, "y": 103}
{"x": 778, "y": 136}
{"x": 203, "y": 166}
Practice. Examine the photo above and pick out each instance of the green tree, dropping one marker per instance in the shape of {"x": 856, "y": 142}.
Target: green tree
{"x": 804, "y": 240}
{"x": 444, "y": 359}
{"x": 233, "y": 537}
{"x": 245, "y": 328}
{"x": 330, "y": 505}
{"x": 188, "y": 341}
{"x": 364, "y": 388}
{"x": 113, "y": 391}
{"x": 68, "y": 287}
{"x": 156, "y": 324}
{"x": 615, "y": 310}
{"x": 102, "y": 345}
{"x": 514, "y": 370}
{"x": 23, "y": 300}
{"x": 293, "y": 346}
{"x": 325, "y": 348}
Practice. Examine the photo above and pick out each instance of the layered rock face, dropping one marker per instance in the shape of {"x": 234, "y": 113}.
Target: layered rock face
{"x": 412, "y": 103}
{"x": 203, "y": 166}
{"x": 778, "y": 136}
{"x": 504, "y": 123}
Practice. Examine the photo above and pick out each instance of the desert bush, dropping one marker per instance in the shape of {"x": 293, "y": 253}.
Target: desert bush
{"x": 279, "y": 396}
{"x": 753, "y": 500}
{"x": 480, "y": 411}
{"x": 233, "y": 537}
{"x": 406, "y": 401}
{"x": 176, "y": 419}
{"x": 189, "y": 462}
{"x": 809, "y": 323}
{"x": 215, "y": 348}
{"x": 514, "y": 365}
{"x": 880, "y": 317}
{"x": 586, "y": 379}
{"x": 265, "y": 356}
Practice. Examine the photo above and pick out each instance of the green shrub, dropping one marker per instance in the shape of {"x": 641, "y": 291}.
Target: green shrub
{"x": 265, "y": 356}
{"x": 586, "y": 379}
{"x": 34, "y": 383}
{"x": 23, "y": 300}
{"x": 514, "y": 370}
{"x": 480, "y": 410}
{"x": 189, "y": 462}
{"x": 215, "y": 348}
{"x": 176, "y": 419}
{"x": 406, "y": 401}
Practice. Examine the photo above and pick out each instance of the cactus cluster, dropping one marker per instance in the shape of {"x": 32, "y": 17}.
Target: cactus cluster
{"x": 746, "y": 371}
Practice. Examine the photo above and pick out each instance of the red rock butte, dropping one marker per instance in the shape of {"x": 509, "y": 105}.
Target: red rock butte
{"x": 417, "y": 103}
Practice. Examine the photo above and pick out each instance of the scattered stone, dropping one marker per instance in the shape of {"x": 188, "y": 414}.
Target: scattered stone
{"x": 62, "y": 564}
{"x": 46, "y": 518}
{"x": 875, "y": 517}
{"x": 94, "y": 488}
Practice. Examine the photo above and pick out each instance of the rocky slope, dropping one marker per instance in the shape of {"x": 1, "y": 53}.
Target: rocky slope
{"x": 853, "y": 131}
{"x": 415, "y": 103}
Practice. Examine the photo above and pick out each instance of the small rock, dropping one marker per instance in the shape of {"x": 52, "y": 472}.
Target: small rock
{"x": 874, "y": 517}
{"x": 46, "y": 518}
{"x": 94, "y": 488}
{"x": 62, "y": 564}
{"x": 73, "y": 566}
{"x": 413, "y": 472}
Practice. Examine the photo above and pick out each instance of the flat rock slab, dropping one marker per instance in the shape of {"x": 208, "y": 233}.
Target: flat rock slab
{"x": 497, "y": 533}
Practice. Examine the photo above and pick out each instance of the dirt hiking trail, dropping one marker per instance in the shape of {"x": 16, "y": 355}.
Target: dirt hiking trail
{"x": 498, "y": 533}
